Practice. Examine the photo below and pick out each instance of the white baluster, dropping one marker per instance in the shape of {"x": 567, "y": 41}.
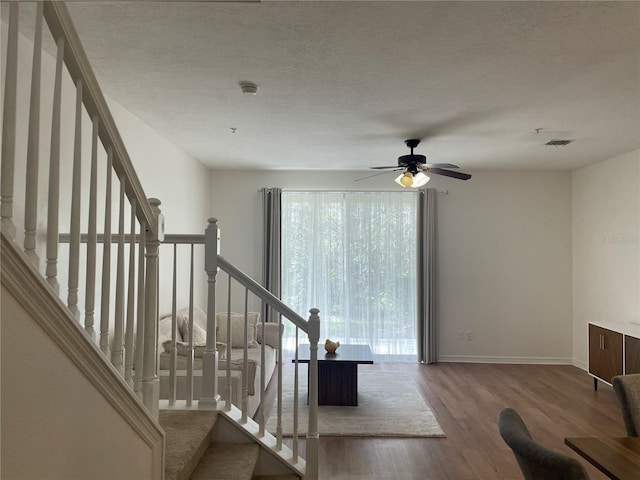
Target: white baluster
{"x": 245, "y": 362}
{"x": 76, "y": 187}
{"x": 54, "y": 175}
{"x": 131, "y": 300}
{"x": 31, "y": 190}
{"x": 118, "y": 335}
{"x": 139, "y": 354}
{"x": 90, "y": 298}
{"x": 263, "y": 374}
{"x": 313, "y": 440}
{"x": 295, "y": 401}
{"x": 279, "y": 395}
{"x": 9, "y": 124}
{"x": 106, "y": 261}
{"x": 173, "y": 359}
{"x": 228, "y": 340}
{"x": 210, "y": 357}
{"x": 150, "y": 383}
{"x": 190, "y": 340}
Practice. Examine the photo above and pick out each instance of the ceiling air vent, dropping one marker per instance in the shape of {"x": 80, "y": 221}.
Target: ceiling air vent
{"x": 558, "y": 143}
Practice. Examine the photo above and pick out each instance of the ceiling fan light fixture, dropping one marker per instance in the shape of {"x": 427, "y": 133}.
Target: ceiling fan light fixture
{"x": 408, "y": 179}
{"x": 420, "y": 179}
{"x": 404, "y": 179}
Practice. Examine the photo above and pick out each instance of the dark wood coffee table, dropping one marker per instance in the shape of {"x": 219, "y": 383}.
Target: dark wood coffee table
{"x": 338, "y": 374}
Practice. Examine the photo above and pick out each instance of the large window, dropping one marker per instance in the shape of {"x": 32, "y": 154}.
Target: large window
{"x": 353, "y": 256}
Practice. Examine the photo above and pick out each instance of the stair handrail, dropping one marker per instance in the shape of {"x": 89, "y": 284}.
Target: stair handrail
{"x": 213, "y": 262}
{"x": 88, "y": 96}
{"x": 61, "y": 25}
{"x": 258, "y": 290}
{"x": 244, "y": 279}
{"x": 147, "y": 212}
{"x": 210, "y": 398}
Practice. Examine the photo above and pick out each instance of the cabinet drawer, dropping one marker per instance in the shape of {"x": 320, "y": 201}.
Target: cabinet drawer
{"x": 605, "y": 353}
{"x": 632, "y": 354}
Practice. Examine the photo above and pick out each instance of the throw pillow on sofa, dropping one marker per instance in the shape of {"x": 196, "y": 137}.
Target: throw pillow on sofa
{"x": 182, "y": 337}
{"x": 199, "y": 325}
{"x": 237, "y": 329}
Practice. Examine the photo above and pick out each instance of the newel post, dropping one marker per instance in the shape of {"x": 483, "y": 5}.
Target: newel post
{"x": 313, "y": 439}
{"x": 210, "y": 396}
{"x": 150, "y": 382}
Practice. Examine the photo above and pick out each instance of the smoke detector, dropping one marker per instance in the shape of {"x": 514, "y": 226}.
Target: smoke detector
{"x": 249, "y": 88}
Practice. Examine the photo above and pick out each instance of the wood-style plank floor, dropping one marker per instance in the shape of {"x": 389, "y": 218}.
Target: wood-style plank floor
{"x": 554, "y": 401}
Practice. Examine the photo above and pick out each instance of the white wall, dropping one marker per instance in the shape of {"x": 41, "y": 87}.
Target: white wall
{"x": 181, "y": 183}
{"x": 55, "y": 423}
{"x": 167, "y": 173}
{"x": 505, "y": 253}
{"x": 505, "y": 268}
{"x": 606, "y": 246}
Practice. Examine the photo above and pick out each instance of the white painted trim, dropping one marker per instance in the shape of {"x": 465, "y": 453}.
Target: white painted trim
{"x": 24, "y": 282}
{"x": 514, "y": 360}
{"x": 581, "y": 365}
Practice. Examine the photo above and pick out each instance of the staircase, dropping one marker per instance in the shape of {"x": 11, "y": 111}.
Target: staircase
{"x": 101, "y": 327}
{"x": 197, "y": 450}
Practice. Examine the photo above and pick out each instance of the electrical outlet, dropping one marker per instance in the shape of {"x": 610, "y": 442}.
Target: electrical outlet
{"x": 468, "y": 336}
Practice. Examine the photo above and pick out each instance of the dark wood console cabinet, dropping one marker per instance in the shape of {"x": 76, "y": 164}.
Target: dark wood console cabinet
{"x": 632, "y": 354}
{"x": 613, "y": 350}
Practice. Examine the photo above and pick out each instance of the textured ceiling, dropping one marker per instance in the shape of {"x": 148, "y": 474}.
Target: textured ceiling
{"x": 343, "y": 84}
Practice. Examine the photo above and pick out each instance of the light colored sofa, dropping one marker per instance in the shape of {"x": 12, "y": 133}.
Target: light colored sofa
{"x": 235, "y": 354}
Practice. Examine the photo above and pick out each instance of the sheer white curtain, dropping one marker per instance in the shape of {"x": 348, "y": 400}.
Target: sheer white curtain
{"x": 353, "y": 255}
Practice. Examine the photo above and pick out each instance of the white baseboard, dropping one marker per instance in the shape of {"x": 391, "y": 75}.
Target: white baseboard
{"x": 506, "y": 359}
{"x": 581, "y": 365}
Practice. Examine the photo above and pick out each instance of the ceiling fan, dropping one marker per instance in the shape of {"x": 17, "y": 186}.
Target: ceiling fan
{"x": 416, "y": 168}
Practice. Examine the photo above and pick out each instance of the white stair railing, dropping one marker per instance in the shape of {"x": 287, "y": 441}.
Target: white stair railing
{"x": 216, "y": 375}
{"x": 90, "y": 204}
{"x": 24, "y": 193}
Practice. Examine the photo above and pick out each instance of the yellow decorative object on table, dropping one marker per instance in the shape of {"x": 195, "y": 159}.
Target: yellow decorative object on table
{"x": 331, "y": 346}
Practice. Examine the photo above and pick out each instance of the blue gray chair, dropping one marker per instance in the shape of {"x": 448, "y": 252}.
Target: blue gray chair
{"x": 536, "y": 462}
{"x": 627, "y": 388}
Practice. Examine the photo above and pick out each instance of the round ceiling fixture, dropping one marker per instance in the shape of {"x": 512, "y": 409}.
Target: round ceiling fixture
{"x": 249, "y": 88}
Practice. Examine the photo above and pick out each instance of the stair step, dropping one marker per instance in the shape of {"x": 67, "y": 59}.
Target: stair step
{"x": 226, "y": 461}
{"x": 187, "y": 437}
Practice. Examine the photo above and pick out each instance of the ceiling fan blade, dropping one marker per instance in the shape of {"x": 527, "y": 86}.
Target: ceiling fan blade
{"x": 441, "y": 165}
{"x": 375, "y": 175}
{"x": 448, "y": 173}
{"x": 382, "y": 168}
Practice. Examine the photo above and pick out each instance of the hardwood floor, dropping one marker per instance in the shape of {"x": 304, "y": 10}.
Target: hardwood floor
{"x": 554, "y": 401}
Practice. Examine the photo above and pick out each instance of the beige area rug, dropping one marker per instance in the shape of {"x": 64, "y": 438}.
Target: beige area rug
{"x": 389, "y": 405}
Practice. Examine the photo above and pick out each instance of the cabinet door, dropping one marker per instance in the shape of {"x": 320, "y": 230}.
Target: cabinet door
{"x": 632, "y": 354}
{"x": 605, "y": 353}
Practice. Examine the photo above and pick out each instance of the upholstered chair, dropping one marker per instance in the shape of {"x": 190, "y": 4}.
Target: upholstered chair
{"x": 627, "y": 388}
{"x": 536, "y": 462}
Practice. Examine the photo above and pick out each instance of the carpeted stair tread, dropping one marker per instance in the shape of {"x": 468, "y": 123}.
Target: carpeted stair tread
{"x": 227, "y": 461}
{"x": 187, "y": 437}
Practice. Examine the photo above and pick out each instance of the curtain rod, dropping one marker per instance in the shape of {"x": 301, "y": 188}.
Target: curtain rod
{"x": 443, "y": 192}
